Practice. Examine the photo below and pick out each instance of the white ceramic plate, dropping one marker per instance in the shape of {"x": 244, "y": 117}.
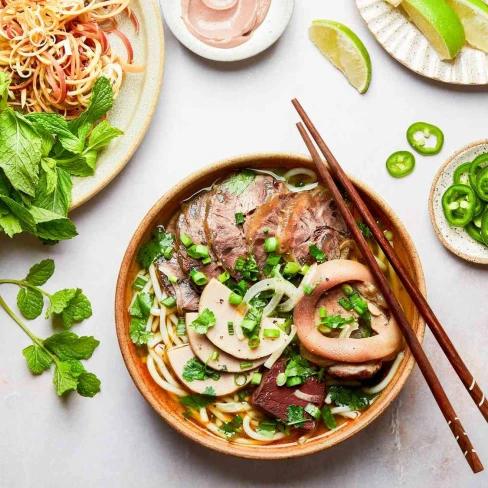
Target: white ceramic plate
{"x": 266, "y": 34}
{"x": 455, "y": 239}
{"x": 135, "y": 105}
{"x": 407, "y": 45}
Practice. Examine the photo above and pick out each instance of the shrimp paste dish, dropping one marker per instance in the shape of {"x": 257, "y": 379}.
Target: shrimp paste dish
{"x": 253, "y": 311}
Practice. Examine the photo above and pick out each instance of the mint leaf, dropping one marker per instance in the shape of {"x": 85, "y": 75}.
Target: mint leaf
{"x": 60, "y": 300}
{"x": 30, "y": 303}
{"x": 52, "y": 226}
{"x": 88, "y": 385}
{"x": 50, "y": 176}
{"x": 4, "y": 84}
{"x": 20, "y": 151}
{"x": 63, "y": 378}
{"x": 101, "y": 101}
{"x": 102, "y": 134}
{"x": 83, "y": 165}
{"x": 10, "y": 225}
{"x": 54, "y": 195}
{"x": 78, "y": 309}
{"x": 21, "y": 213}
{"x": 138, "y": 333}
{"x": 204, "y": 321}
{"x": 37, "y": 359}
{"x": 67, "y": 346}
{"x": 238, "y": 183}
{"x": 40, "y": 273}
{"x": 50, "y": 122}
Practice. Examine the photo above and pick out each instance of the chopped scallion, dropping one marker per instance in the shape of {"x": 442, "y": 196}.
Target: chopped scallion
{"x": 230, "y": 328}
{"x": 198, "y": 251}
{"x": 291, "y": 268}
{"x": 271, "y": 244}
{"x": 239, "y": 218}
{"x": 308, "y": 289}
{"x": 169, "y": 302}
{"x": 235, "y": 299}
{"x": 224, "y": 277}
{"x": 304, "y": 269}
{"x": 246, "y": 365}
{"x": 294, "y": 381}
{"x": 313, "y": 410}
{"x": 254, "y": 342}
{"x": 207, "y": 260}
{"x": 187, "y": 242}
{"x": 248, "y": 324}
{"x": 273, "y": 259}
{"x": 173, "y": 279}
{"x": 322, "y": 312}
{"x": 348, "y": 290}
{"x": 140, "y": 282}
{"x": 256, "y": 378}
{"x": 281, "y": 379}
{"x": 168, "y": 252}
{"x": 240, "y": 263}
{"x": 345, "y": 303}
{"x": 181, "y": 327}
{"x": 240, "y": 379}
{"x": 214, "y": 356}
{"x": 271, "y": 333}
{"x": 198, "y": 277}
{"x": 324, "y": 329}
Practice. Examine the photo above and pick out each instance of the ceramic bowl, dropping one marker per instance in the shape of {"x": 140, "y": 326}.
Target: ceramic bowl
{"x": 455, "y": 239}
{"x": 170, "y": 410}
{"x": 402, "y": 40}
{"x": 135, "y": 106}
{"x": 266, "y": 34}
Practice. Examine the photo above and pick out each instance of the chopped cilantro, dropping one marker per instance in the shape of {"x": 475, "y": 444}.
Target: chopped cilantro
{"x": 336, "y": 321}
{"x": 316, "y": 253}
{"x": 142, "y": 305}
{"x": 237, "y": 184}
{"x": 299, "y": 367}
{"x": 328, "y": 418}
{"x": 239, "y": 218}
{"x": 364, "y": 229}
{"x": 204, "y": 321}
{"x": 232, "y": 428}
{"x": 308, "y": 289}
{"x": 348, "y": 397}
{"x": 161, "y": 244}
{"x": 198, "y": 401}
{"x": 194, "y": 369}
{"x": 267, "y": 428}
{"x": 296, "y": 416}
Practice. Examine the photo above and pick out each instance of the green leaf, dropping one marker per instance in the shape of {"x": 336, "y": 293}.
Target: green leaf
{"x": 78, "y": 309}
{"x": 232, "y": 428}
{"x": 101, "y": 101}
{"x": 77, "y": 369}
{"x": 328, "y": 418}
{"x": 239, "y": 182}
{"x": 154, "y": 249}
{"x": 10, "y": 225}
{"x": 37, "y": 359}
{"x": 63, "y": 378}
{"x": 348, "y": 397}
{"x": 198, "y": 401}
{"x": 30, "y": 303}
{"x": 88, "y": 385}
{"x": 296, "y": 416}
{"x": 50, "y": 122}
{"x": 102, "y": 134}
{"x": 4, "y": 84}
{"x": 316, "y": 253}
{"x": 83, "y": 165}
{"x": 40, "y": 272}
{"x": 204, "y": 321}
{"x": 50, "y": 175}
{"x": 20, "y": 151}
{"x": 138, "y": 333}
{"x": 21, "y": 213}
{"x": 52, "y": 226}
{"x": 57, "y": 199}
{"x": 60, "y": 300}
{"x": 142, "y": 305}
{"x": 194, "y": 369}
{"x": 67, "y": 345}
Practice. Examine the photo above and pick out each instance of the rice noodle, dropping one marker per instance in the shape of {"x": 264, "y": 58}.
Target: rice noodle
{"x": 233, "y": 407}
{"x": 373, "y": 390}
{"x": 162, "y": 383}
{"x": 246, "y": 425}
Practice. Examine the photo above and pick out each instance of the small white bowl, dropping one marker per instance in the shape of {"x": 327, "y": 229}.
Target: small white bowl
{"x": 455, "y": 239}
{"x": 266, "y": 34}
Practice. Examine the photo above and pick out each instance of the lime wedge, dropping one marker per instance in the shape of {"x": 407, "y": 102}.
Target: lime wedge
{"x": 439, "y": 24}
{"x": 474, "y": 16}
{"x": 344, "y": 50}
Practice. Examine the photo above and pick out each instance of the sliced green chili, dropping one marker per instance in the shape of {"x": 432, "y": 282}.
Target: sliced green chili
{"x": 476, "y": 166}
{"x": 461, "y": 175}
{"x": 482, "y": 184}
{"x": 484, "y": 228}
{"x": 474, "y": 232}
{"x": 400, "y": 164}
{"x": 458, "y": 204}
{"x": 427, "y": 131}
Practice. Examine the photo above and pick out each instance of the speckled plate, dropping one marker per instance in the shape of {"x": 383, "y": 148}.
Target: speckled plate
{"x": 455, "y": 239}
{"x": 407, "y": 45}
{"x": 136, "y": 103}
{"x": 275, "y": 23}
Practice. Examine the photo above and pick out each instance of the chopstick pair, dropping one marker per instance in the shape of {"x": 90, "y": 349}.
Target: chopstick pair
{"x": 415, "y": 294}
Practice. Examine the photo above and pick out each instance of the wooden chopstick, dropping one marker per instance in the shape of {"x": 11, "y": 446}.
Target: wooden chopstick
{"x": 420, "y": 302}
{"x": 408, "y": 333}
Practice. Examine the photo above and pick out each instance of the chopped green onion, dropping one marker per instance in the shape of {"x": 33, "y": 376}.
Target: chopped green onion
{"x": 254, "y": 342}
{"x": 239, "y": 218}
{"x": 214, "y": 356}
{"x": 243, "y": 286}
{"x": 281, "y": 379}
{"x": 324, "y": 329}
{"x": 168, "y": 252}
{"x": 316, "y": 253}
{"x": 308, "y": 289}
{"x": 140, "y": 282}
{"x": 240, "y": 263}
{"x": 266, "y": 230}
{"x": 246, "y": 365}
{"x": 240, "y": 379}
{"x": 313, "y": 410}
{"x": 359, "y": 305}
{"x": 181, "y": 327}
{"x": 304, "y": 269}
{"x": 345, "y": 303}
{"x": 173, "y": 279}
{"x": 187, "y": 242}
{"x": 291, "y": 268}
{"x": 198, "y": 277}
{"x": 207, "y": 260}
{"x": 388, "y": 234}
{"x": 348, "y": 290}
{"x": 271, "y": 244}
{"x": 197, "y": 251}
{"x": 256, "y": 378}
{"x": 169, "y": 302}
{"x": 271, "y": 333}
{"x": 230, "y": 328}
{"x": 273, "y": 259}
{"x": 235, "y": 299}
{"x": 224, "y": 277}
{"x": 248, "y": 324}
{"x": 322, "y": 312}
{"x": 294, "y": 381}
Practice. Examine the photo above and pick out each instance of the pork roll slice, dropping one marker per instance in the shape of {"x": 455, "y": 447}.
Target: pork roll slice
{"x": 191, "y": 223}
{"x": 178, "y": 286}
{"x": 241, "y": 193}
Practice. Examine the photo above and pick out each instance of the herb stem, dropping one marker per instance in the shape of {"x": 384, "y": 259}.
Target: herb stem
{"x": 26, "y": 284}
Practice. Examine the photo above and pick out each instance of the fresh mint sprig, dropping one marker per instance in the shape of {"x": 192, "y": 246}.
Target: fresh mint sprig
{"x": 65, "y": 349}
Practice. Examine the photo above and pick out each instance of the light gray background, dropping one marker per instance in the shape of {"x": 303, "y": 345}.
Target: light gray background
{"x": 208, "y": 112}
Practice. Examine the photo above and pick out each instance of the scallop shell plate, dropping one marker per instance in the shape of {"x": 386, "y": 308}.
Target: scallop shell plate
{"x": 455, "y": 239}
{"x": 407, "y": 44}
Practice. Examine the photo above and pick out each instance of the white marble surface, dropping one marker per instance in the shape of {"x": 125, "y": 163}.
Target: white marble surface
{"x": 208, "y": 112}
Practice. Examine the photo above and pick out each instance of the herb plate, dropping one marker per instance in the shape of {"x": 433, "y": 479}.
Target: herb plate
{"x": 135, "y": 105}
{"x": 402, "y": 40}
{"x": 455, "y": 239}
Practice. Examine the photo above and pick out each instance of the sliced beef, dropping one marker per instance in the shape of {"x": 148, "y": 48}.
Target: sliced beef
{"x": 237, "y": 194}
{"x": 355, "y": 371}
{"x": 275, "y": 400}
{"x": 186, "y": 297}
{"x": 191, "y": 222}
{"x": 314, "y": 219}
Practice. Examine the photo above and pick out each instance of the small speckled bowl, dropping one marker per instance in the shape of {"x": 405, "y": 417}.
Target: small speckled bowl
{"x": 275, "y": 23}
{"x": 168, "y": 408}
{"x": 455, "y": 239}
{"x": 402, "y": 40}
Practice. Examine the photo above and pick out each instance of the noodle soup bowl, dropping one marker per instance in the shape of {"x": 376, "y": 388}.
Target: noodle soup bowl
{"x": 164, "y": 403}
